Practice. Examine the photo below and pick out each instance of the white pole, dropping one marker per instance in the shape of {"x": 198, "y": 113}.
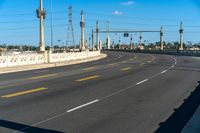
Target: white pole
{"x": 42, "y": 47}
{"x": 51, "y": 24}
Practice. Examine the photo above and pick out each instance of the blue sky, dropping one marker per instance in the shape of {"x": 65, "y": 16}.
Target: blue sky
{"x": 19, "y": 24}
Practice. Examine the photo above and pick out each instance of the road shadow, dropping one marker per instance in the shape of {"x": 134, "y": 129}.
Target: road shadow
{"x": 176, "y": 122}
{"x": 24, "y": 128}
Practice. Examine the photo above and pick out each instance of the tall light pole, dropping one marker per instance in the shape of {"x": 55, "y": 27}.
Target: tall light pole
{"x": 131, "y": 42}
{"x": 82, "y": 25}
{"x": 181, "y": 36}
{"x": 41, "y": 14}
{"x": 140, "y": 40}
{"x": 107, "y": 35}
{"x": 89, "y": 47}
{"x": 92, "y": 40}
{"x": 51, "y": 24}
{"x": 161, "y": 39}
{"x": 97, "y": 35}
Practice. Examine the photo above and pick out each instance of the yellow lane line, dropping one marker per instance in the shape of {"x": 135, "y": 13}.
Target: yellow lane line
{"x": 152, "y": 59}
{"x": 89, "y": 68}
{"x": 124, "y": 62}
{"x": 142, "y": 64}
{"x": 149, "y": 61}
{"x": 125, "y": 69}
{"x": 112, "y": 64}
{"x": 135, "y": 57}
{"x": 23, "y": 93}
{"x": 88, "y": 78}
{"x": 44, "y": 76}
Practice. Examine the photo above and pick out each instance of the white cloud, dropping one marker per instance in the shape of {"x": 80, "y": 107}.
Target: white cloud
{"x": 117, "y": 12}
{"x": 128, "y": 3}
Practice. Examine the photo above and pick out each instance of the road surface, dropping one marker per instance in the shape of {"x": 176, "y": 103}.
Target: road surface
{"x": 123, "y": 93}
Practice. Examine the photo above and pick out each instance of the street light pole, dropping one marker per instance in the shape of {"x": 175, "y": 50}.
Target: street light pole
{"x": 82, "y": 25}
{"x": 161, "y": 39}
{"x": 41, "y": 14}
{"x": 51, "y": 24}
{"x": 181, "y": 36}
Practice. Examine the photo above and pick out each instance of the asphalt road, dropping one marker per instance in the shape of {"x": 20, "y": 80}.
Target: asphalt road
{"x": 123, "y": 93}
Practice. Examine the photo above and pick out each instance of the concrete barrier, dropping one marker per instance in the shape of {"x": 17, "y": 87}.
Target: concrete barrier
{"x": 20, "y": 60}
{"x": 41, "y": 58}
{"x": 62, "y": 57}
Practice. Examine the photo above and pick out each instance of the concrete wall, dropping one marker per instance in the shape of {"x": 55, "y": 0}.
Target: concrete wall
{"x": 61, "y": 57}
{"x": 47, "y": 57}
{"x": 19, "y": 60}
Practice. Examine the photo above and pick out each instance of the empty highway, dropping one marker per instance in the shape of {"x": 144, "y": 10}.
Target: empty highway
{"x": 123, "y": 93}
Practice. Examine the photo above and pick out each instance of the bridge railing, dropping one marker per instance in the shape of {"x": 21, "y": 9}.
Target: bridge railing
{"x": 166, "y": 51}
{"x": 46, "y": 57}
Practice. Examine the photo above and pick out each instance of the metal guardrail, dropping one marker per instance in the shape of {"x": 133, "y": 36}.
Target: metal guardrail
{"x": 166, "y": 51}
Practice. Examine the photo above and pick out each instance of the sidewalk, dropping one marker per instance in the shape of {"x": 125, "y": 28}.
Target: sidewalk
{"x": 193, "y": 126}
{"x": 48, "y": 65}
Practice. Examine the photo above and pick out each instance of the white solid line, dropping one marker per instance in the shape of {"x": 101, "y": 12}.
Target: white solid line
{"x": 163, "y": 71}
{"x": 142, "y": 81}
{"x": 71, "y": 110}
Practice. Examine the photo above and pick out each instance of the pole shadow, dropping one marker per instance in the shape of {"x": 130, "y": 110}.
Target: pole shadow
{"x": 24, "y": 128}
{"x": 177, "y": 121}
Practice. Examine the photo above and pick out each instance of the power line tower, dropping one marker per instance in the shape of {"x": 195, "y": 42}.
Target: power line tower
{"x": 70, "y": 30}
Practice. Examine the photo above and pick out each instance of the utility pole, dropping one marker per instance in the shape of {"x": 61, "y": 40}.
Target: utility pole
{"x": 131, "y": 42}
{"x": 41, "y": 14}
{"x": 119, "y": 44}
{"x": 97, "y": 35}
{"x": 51, "y": 24}
{"x": 82, "y": 25}
{"x": 107, "y": 35}
{"x": 89, "y": 47}
{"x": 161, "y": 39}
{"x": 181, "y": 36}
{"x": 140, "y": 40}
{"x": 92, "y": 40}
